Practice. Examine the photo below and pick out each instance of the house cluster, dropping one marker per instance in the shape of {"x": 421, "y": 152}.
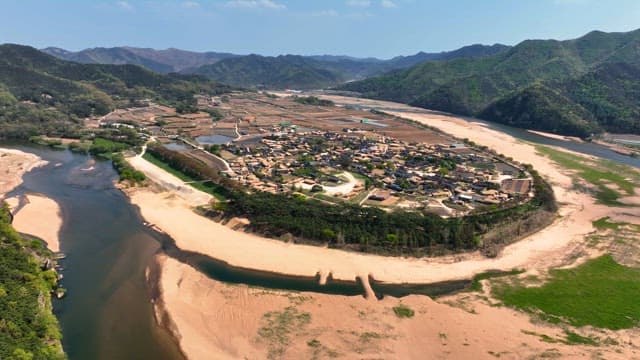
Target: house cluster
{"x": 417, "y": 171}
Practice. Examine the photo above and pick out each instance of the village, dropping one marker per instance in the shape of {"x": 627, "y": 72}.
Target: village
{"x": 448, "y": 180}
{"x": 334, "y": 154}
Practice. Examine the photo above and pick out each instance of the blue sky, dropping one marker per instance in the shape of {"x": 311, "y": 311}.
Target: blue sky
{"x": 381, "y": 28}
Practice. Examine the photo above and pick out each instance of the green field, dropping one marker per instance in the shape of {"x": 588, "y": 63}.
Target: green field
{"x": 598, "y": 173}
{"x": 601, "y": 293}
{"x": 182, "y": 176}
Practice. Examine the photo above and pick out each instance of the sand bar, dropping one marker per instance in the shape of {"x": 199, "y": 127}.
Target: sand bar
{"x": 14, "y": 164}
{"x": 40, "y": 217}
{"x": 216, "y": 320}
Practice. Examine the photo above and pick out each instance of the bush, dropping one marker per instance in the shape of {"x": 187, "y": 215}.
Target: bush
{"x": 403, "y": 311}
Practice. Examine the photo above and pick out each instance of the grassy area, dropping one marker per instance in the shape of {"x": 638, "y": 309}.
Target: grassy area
{"x": 205, "y": 187}
{"x": 476, "y": 284}
{"x": 403, "y": 311}
{"x": 600, "y": 293}
{"x": 598, "y": 173}
{"x": 279, "y": 326}
{"x": 605, "y": 224}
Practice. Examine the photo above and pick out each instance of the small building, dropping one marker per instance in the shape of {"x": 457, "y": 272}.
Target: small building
{"x": 516, "y": 186}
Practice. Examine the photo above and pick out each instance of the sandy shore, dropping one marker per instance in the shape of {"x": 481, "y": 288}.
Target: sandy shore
{"x": 14, "y": 164}
{"x": 556, "y": 136}
{"x": 40, "y": 217}
{"x": 215, "y": 320}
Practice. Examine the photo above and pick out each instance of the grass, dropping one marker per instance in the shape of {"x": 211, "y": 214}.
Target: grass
{"x": 476, "y": 284}
{"x": 605, "y": 224}
{"x": 598, "y": 173}
{"x": 279, "y": 326}
{"x": 194, "y": 183}
{"x": 570, "y": 338}
{"x": 600, "y": 292}
{"x": 403, "y": 311}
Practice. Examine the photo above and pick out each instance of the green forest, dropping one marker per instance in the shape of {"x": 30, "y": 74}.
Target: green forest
{"x": 28, "y": 329}
{"x": 573, "y": 87}
{"x": 368, "y": 229}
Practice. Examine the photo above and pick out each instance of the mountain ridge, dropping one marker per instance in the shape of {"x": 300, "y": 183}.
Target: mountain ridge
{"x": 476, "y": 87}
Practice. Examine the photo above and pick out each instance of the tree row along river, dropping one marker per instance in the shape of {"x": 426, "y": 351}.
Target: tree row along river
{"x": 108, "y": 313}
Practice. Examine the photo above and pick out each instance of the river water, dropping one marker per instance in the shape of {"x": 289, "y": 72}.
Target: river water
{"x": 107, "y": 313}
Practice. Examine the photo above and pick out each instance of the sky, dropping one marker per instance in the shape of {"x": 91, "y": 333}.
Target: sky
{"x": 363, "y": 28}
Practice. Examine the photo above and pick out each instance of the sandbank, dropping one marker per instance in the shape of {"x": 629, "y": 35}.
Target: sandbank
{"x": 14, "y": 164}
{"x": 216, "y": 320}
{"x": 40, "y": 217}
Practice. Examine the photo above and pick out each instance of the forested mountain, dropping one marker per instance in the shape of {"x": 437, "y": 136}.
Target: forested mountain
{"x": 594, "y": 78}
{"x": 303, "y": 72}
{"x": 285, "y": 71}
{"x": 162, "y": 61}
{"x": 40, "y": 93}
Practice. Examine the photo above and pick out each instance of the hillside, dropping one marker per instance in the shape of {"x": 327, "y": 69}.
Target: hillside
{"x": 285, "y": 71}
{"x": 489, "y": 87}
{"x": 162, "y": 61}
{"x": 40, "y": 93}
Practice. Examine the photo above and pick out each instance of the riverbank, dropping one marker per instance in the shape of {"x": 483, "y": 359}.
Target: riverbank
{"x": 212, "y": 319}
{"x": 38, "y": 216}
{"x": 14, "y": 164}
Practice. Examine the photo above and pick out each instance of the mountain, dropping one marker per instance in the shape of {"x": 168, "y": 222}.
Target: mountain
{"x": 466, "y": 52}
{"x": 281, "y": 72}
{"x": 321, "y": 70}
{"x": 162, "y": 61}
{"x": 40, "y": 93}
{"x": 503, "y": 87}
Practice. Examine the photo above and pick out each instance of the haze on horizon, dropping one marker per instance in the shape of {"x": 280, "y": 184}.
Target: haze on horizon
{"x": 363, "y": 28}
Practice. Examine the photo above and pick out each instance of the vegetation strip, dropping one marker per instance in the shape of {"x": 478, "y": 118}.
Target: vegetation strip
{"x": 28, "y": 329}
{"x": 600, "y": 173}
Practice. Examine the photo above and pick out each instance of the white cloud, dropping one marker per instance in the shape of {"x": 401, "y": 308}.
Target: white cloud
{"x": 359, "y": 3}
{"x": 124, "y": 5}
{"x": 325, "y": 13}
{"x": 388, "y": 4}
{"x": 190, "y": 5}
{"x": 254, "y": 4}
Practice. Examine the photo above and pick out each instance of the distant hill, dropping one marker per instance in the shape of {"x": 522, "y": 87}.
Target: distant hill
{"x": 162, "y": 61}
{"x": 594, "y": 76}
{"x": 302, "y": 72}
{"x": 40, "y": 93}
{"x": 466, "y": 52}
{"x": 281, "y": 72}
